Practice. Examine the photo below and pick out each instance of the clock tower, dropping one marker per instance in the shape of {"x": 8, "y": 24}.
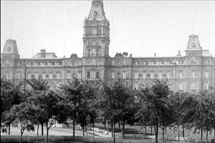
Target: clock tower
{"x": 95, "y": 42}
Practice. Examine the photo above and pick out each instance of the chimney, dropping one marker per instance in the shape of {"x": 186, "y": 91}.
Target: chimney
{"x": 155, "y": 54}
{"x": 43, "y": 50}
{"x": 179, "y": 53}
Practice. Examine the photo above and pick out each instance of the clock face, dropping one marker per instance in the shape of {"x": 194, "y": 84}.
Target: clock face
{"x": 193, "y": 45}
{"x": 8, "y": 49}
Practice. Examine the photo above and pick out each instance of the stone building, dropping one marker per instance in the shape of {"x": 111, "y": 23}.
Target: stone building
{"x": 193, "y": 72}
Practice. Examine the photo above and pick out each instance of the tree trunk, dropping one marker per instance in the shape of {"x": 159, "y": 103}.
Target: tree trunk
{"x": 151, "y": 128}
{"x": 9, "y": 129}
{"x": 112, "y": 128}
{"x": 74, "y": 120}
{"x": 178, "y": 132}
{"x": 83, "y": 130}
{"x": 93, "y": 130}
{"x": 22, "y": 131}
{"x": 113, "y": 131}
{"x": 163, "y": 133}
{"x": 42, "y": 129}
{"x": 156, "y": 130}
{"x": 21, "y": 136}
{"x": 214, "y": 133}
{"x": 47, "y": 133}
{"x": 207, "y": 135}
{"x": 38, "y": 125}
{"x": 145, "y": 130}
{"x": 201, "y": 135}
{"x": 183, "y": 132}
{"x": 123, "y": 130}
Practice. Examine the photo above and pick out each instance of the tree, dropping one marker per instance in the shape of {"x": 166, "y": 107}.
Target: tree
{"x": 78, "y": 96}
{"x": 10, "y": 95}
{"x": 199, "y": 112}
{"x": 116, "y": 104}
{"x": 23, "y": 114}
{"x": 156, "y": 105}
{"x": 177, "y": 99}
{"x": 37, "y": 86}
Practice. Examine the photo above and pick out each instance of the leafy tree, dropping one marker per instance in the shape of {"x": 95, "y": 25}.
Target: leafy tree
{"x": 156, "y": 105}
{"x": 116, "y": 104}
{"x": 10, "y": 95}
{"x": 199, "y": 112}
{"x": 78, "y": 95}
{"x": 37, "y": 86}
{"x": 177, "y": 99}
{"x": 23, "y": 114}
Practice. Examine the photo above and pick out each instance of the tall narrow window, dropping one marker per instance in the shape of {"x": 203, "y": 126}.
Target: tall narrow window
{"x": 113, "y": 75}
{"x": 97, "y": 74}
{"x": 124, "y": 75}
{"x": 88, "y": 74}
{"x": 136, "y": 75}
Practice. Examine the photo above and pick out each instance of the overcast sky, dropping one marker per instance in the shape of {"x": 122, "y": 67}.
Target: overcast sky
{"x": 140, "y": 28}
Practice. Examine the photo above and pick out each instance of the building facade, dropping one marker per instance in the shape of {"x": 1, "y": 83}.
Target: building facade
{"x": 193, "y": 72}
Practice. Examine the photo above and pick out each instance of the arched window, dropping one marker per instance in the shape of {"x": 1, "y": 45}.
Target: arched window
{"x": 88, "y": 74}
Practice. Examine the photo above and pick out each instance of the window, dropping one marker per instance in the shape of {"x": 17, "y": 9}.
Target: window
{"x": 164, "y": 76}
{"x": 136, "y": 75}
{"x": 180, "y": 74}
{"x": 193, "y": 74}
{"x": 47, "y": 76}
{"x": 68, "y": 75}
{"x": 79, "y": 75}
{"x": 148, "y": 76}
{"x": 168, "y": 75}
{"x": 93, "y": 62}
{"x": 118, "y": 75}
{"x": 54, "y": 76}
{"x": 88, "y": 74}
{"x": 160, "y": 75}
{"x": 58, "y": 75}
{"x": 124, "y": 75}
{"x": 206, "y": 86}
{"x": 152, "y": 75}
{"x": 51, "y": 76}
{"x": 137, "y": 63}
{"x": 113, "y": 63}
{"x": 156, "y": 76}
{"x": 124, "y": 62}
{"x": 36, "y": 75}
{"x": 43, "y": 76}
{"x": 29, "y": 76}
{"x": 97, "y": 74}
{"x": 144, "y": 75}
{"x": 181, "y": 86}
{"x": 206, "y": 74}
{"x": 193, "y": 86}
{"x": 113, "y": 75}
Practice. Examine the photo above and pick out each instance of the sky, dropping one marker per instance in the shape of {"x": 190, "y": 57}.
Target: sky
{"x": 140, "y": 28}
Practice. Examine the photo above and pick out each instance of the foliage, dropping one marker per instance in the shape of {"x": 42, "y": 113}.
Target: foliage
{"x": 156, "y": 106}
